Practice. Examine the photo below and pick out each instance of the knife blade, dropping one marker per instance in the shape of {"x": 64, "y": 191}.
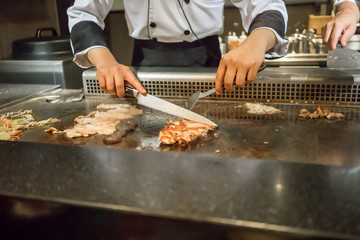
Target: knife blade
{"x": 167, "y": 107}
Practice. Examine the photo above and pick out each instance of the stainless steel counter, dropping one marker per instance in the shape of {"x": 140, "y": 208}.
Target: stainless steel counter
{"x": 12, "y": 93}
{"x": 90, "y": 192}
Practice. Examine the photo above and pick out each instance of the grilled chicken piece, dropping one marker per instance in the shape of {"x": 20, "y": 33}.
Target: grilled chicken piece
{"x": 183, "y": 132}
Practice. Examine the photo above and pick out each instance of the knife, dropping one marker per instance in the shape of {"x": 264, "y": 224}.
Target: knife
{"x": 167, "y": 107}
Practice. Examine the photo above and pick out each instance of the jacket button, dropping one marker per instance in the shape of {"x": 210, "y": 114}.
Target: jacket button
{"x": 186, "y": 32}
{"x": 187, "y": 1}
{"x": 152, "y": 24}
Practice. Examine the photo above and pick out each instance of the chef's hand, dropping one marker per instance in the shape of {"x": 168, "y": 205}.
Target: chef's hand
{"x": 344, "y": 23}
{"x": 112, "y": 76}
{"x": 244, "y": 61}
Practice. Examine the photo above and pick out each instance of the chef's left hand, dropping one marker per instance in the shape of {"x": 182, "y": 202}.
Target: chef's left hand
{"x": 244, "y": 61}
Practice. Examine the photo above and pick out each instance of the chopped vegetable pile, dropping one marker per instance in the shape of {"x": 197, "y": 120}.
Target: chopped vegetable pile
{"x": 12, "y": 124}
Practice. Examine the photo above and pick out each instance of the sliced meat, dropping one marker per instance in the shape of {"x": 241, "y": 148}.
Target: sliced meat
{"x": 183, "y": 132}
{"x": 105, "y": 122}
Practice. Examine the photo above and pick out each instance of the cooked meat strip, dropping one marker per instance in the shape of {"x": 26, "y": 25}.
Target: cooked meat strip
{"x": 52, "y": 130}
{"x": 103, "y": 121}
{"x": 183, "y": 131}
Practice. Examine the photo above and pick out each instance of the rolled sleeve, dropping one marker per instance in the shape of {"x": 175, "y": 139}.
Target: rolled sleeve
{"x": 84, "y": 37}
{"x": 269, "y": 14}
{"x": 274, "y": 21}
{"x": 86, "y": 25}
{"x": 337, "y": 2}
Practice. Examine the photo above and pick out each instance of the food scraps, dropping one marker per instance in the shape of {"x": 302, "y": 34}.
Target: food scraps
{"x": 320, "y": 113}
{"x": 13, "y": 124}
{"x": 258, "y": 108}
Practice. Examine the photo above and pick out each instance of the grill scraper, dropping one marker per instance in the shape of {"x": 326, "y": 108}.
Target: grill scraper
{"x": 195, "y": 97}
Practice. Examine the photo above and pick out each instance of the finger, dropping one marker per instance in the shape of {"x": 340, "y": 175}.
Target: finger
{"x": 335, "y": 35}
{"x": 325, "y": 32}
{"x": 110, "y": 85}
{"x": 119, "y": 85}
{"x": 251, "y": 75}
{"x": 220, "y": 73}
{"x": 131, "y": 79}
{"x": 229, "y": 78}
{"x": 241, "y": 76}
{"x": 346, "y": 36}
{"x": 102, "y": 81}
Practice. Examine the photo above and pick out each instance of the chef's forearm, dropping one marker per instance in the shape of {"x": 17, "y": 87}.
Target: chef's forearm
{"x": 101, "y": 56}
{"x": 264, "y": 38}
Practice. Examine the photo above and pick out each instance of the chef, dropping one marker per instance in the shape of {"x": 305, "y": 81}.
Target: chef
{"x": 342, "y": 25}
{"x": 178, "y": 33}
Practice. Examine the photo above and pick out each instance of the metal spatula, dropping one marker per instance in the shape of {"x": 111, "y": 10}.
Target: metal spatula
{"x": 195, "y": 97}
{"x": 343, "y": 58}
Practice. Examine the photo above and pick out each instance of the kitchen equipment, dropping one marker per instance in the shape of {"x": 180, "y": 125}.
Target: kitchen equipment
{"x": 63, "y": 72}
{"x": 42, "y": 47}
{"x": 167, "y": 107}
{"x": 276, "y": 84}
{"x": 343, "y": 58}
{"x": 317, "y": 21}
{"x": 195, "y": 97}
{"x": 287, "y": 89}
{"x": 236, "y": 124}
{"x": 354, "y": 42}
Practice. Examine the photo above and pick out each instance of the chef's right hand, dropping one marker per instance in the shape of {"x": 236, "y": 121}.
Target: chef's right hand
{"x": 344, "y": 23}
{"x": 111, "y": 75}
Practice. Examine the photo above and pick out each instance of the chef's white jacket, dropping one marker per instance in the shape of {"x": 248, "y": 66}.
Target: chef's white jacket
{"x": 166, "y": 21}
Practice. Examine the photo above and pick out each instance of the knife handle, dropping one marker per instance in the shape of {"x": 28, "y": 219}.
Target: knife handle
{"x": 338, "y": 45}
{"x": 131, "y": 91}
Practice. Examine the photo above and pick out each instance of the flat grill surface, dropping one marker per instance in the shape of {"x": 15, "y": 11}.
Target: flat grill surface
{"x": 283, "y": 136}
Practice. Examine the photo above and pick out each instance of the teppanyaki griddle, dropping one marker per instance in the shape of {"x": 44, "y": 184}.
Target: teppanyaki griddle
{"x": 283, "y": 136}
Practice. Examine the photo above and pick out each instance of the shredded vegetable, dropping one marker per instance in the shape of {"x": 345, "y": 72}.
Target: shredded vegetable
{"x": 13, "y": 123}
